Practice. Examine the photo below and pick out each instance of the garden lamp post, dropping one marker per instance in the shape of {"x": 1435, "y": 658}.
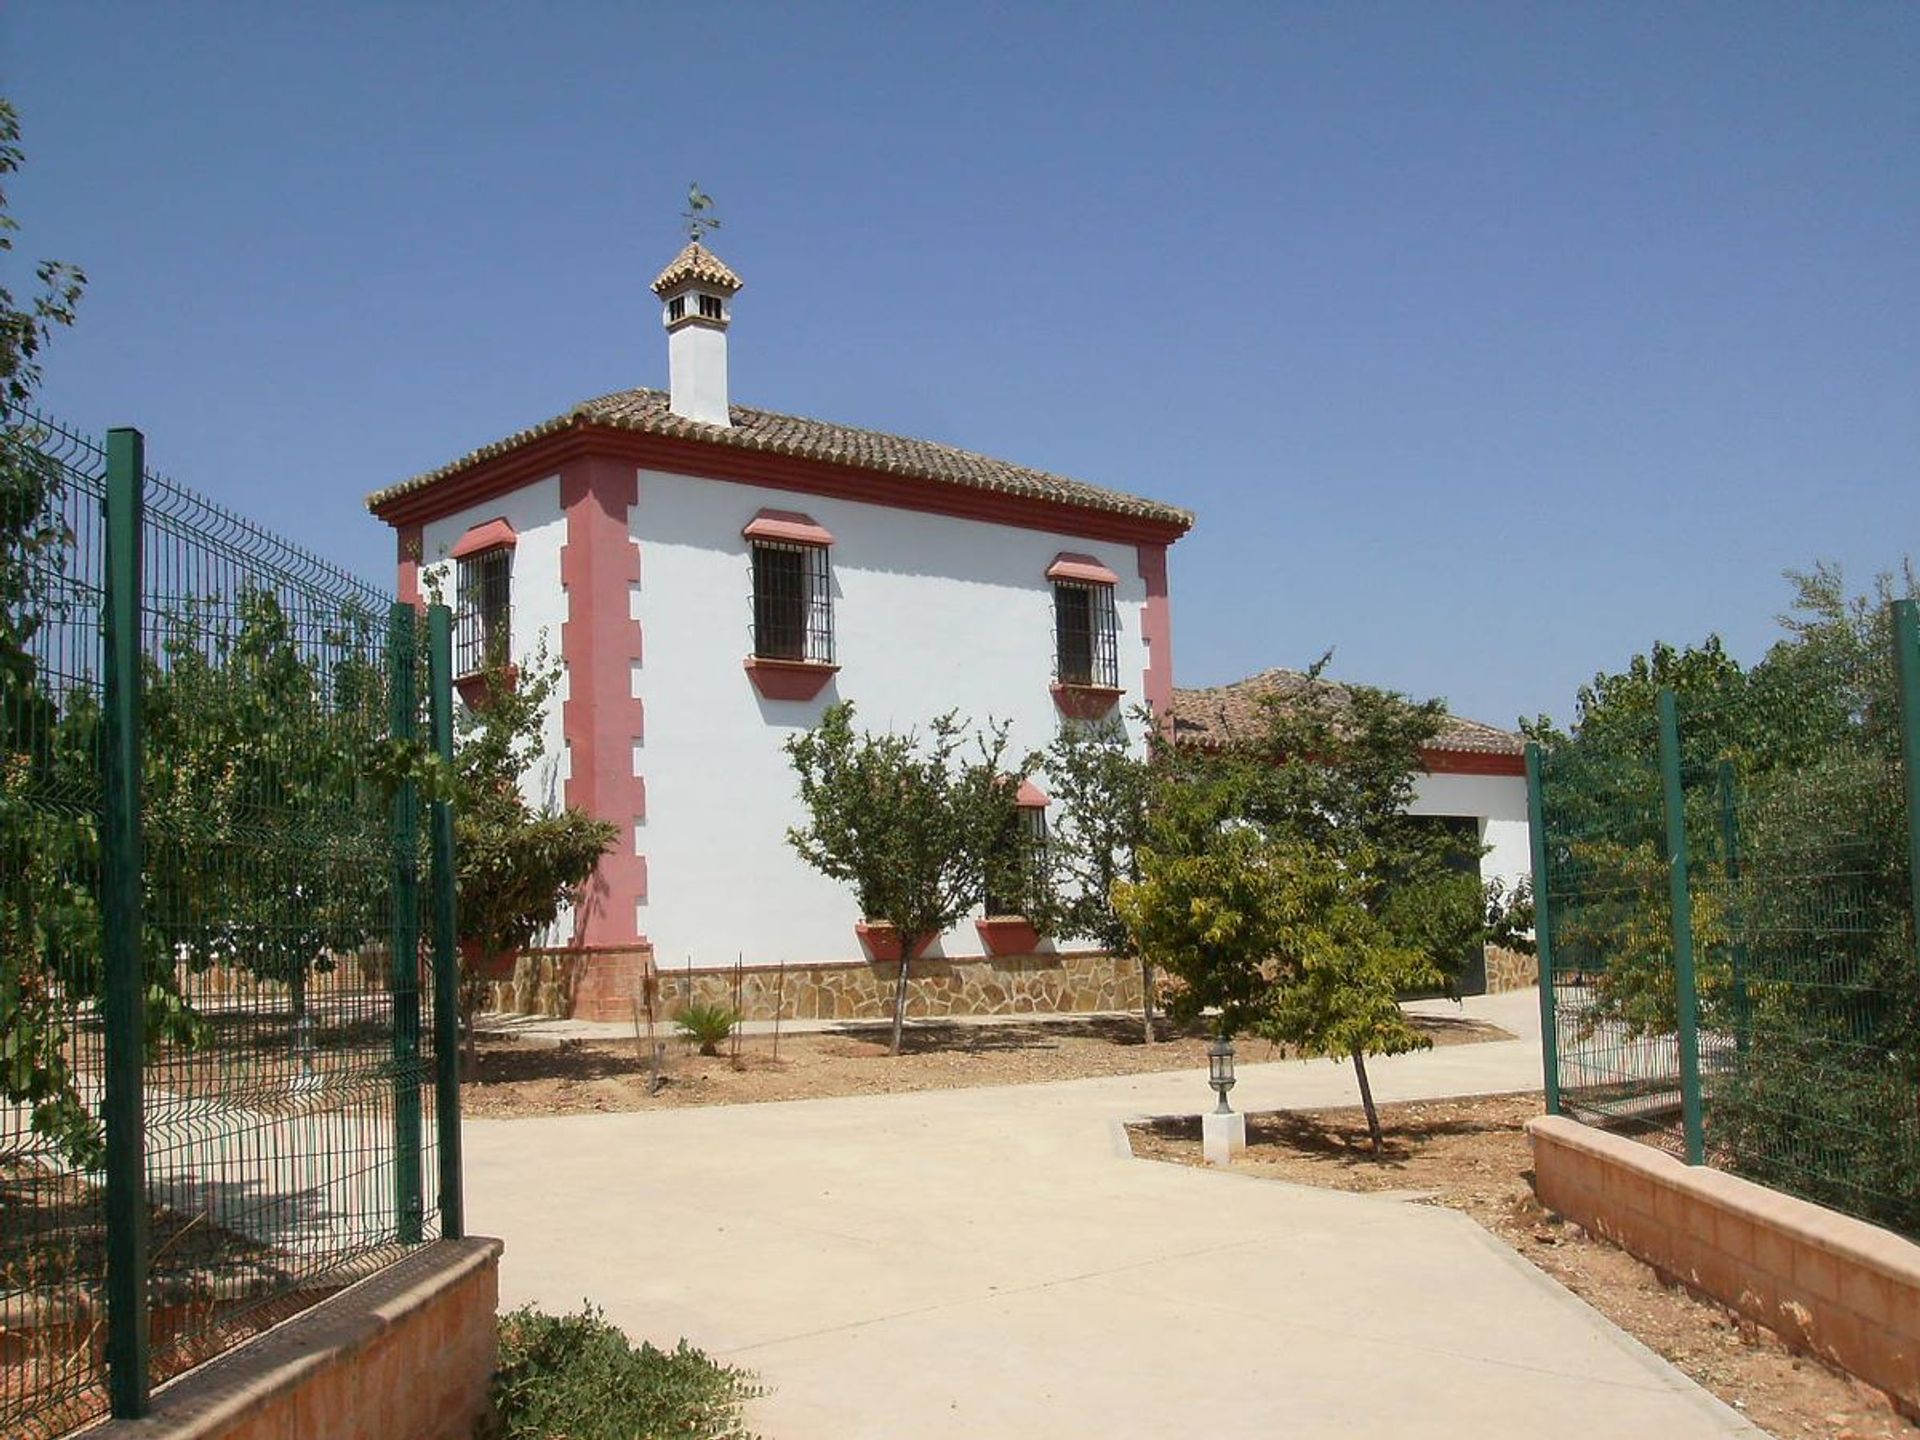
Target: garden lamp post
{"x": 1223, "y": 1131}
{"x": 1220, "y": 1071}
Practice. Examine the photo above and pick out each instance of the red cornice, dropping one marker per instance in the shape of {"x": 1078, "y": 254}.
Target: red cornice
{"x": 544, "y": 455}
{"x": 1472, "y": 762}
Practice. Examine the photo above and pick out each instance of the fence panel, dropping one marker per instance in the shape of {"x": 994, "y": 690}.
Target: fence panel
{"x": 1796, "y": 825}
{"x": 287, "y": 1038}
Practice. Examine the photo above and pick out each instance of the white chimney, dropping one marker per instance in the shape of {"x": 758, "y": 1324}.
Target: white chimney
{"x": 696, "y": 295}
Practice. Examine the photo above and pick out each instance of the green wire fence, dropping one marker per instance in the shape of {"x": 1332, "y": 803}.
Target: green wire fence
{"x": 228, "y": 1080}
{"x": 1726, "y": 915}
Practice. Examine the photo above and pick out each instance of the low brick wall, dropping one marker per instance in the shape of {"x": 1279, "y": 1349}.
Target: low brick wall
{"x": 407, "y": 1354}
{"x": 1828, "y": 1284}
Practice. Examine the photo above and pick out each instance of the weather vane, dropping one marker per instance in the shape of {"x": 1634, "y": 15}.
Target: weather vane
{"x": 699, "y": 213}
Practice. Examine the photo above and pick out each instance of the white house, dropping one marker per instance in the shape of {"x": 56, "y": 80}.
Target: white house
{"x": 712, "y": 577}
{"x": 1475, "y": 777}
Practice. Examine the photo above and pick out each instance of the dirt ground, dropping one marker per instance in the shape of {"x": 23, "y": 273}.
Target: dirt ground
{"x": 523, "y": 1075}
{"x": 1472, "y": 1155}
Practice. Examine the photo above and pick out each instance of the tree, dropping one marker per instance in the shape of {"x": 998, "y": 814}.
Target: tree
{"x": 1339, "y": 765}
{"x": 916, "y": 828}
{"x": 519, "y": 865}
{"x": 49, "y": 846}
{"x": 264, "y": 837}
{"x": 1102, "y": 787}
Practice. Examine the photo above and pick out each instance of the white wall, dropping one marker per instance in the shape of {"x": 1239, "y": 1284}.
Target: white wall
{"x": 1499, "y": 802}
{"x": 930, "y": 614}
{"x": 539, "y": 604}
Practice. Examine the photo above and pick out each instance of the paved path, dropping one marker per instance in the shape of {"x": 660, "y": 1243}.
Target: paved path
{"x": 987, "y": 1263}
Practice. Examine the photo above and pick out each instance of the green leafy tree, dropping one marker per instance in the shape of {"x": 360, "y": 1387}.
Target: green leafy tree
{"x": 267, "y": 846}
{"x": 915, "y": 827}
{"x": 1102, "y": 787}
{"x": 519, "y": 864}
{"x": 1336, "y": 770}
{"x": 49, "y": 847}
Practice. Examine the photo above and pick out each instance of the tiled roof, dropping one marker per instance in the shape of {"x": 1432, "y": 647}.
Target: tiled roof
{"x": 1222, "y": 714}
{"x": 696, "y": 262}
{"x": 647, "y": 411}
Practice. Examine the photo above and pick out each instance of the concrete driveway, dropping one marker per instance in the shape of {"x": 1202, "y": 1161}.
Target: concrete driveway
{"x": 989, "y": 1263}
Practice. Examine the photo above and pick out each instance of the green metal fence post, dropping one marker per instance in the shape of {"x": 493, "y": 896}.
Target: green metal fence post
{"x": 1543, "y": 929}
{"x": 446, "y": 936}
{"x": 405, "y": 966}
{"x": 1730, "y": 861}
{"x": 1686, "y": 998}
{"x": 124, "y": 1004}
{"x": 1906, "y": 659}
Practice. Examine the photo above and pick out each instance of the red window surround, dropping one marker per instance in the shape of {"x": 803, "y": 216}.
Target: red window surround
{"x": 778, "y": 679}
{"x": 1013, "y": 934}
{"x": 1078, "y": 700}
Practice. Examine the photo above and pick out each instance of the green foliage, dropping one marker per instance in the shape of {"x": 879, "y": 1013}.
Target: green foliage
{"x": 1805, "y": 964}
{"x": 707, "y": 1024}
{"x": 1284, "y": 884}
{"x": 1102, "y": 789}
{"x": 576, "y": 1377}
{"x": 519, "y": 864}
{"x": 914, "y": 827}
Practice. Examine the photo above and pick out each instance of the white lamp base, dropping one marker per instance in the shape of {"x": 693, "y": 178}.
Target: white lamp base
{"x": 1222, "y": 1136}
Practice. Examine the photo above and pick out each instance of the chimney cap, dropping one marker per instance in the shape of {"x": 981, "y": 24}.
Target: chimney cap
{"x": 700, "y": 265}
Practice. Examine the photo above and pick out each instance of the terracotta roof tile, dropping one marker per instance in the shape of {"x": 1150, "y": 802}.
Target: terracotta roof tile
{"x": 763, "y": 430}
{"x": 696, "y": 262}
{"x": 1221, "y": 714}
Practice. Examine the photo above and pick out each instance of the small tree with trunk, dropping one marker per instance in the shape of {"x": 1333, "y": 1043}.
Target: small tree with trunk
{"x": 915, "y": 826}
{"x": 1334, "y": 770}
{"x": 519, "y": 865}
{"x": 1102, "y": 787}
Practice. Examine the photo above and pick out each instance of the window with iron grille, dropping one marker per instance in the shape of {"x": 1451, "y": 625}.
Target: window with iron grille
{"x": 792, "y": 603}
{"x": 1086, "y": 638}
{"x": 677, "y": 308}
{"x": 483, "y": 610}
{"x": 1021, "y": 854}
{"x": 710, "y": 307}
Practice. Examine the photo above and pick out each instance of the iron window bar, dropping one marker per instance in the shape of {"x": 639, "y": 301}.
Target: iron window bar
{"x": 483, "y": 617}
{"x": 792, "y": 603}
{"x": 1086, "y": 635}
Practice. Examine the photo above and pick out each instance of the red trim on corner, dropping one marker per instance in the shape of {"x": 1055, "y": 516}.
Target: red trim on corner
{"x": 409, "y": 542}
{"x": 1068, "y": 566}
{"x": 601, "y": 719}
{"x": 788, "y": 679}
{"x": 788, "y": 525}
{"x": 1156, "y": 629}
{"x": 1471, "y": 762}
{"x": 494, "y": 534}
{"x": 543, "y": 455}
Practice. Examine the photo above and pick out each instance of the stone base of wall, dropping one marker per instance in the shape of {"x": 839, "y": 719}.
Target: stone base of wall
{"x": 603, "y": 985}
{"x": 1510, "y": 970}
{"x": 1827, "y": 1284}
{"x": 407, "y": 1354}
{"x": 936, "y": 988}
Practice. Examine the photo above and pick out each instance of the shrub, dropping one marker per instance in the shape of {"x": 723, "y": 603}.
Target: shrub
{"x": 708, "y": 1024}
{"x": 576, "y": 1377}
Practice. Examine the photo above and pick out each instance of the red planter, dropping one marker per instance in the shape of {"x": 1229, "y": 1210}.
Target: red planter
{"x": 1007, "y": 935}
{"x": 882, "y": 942}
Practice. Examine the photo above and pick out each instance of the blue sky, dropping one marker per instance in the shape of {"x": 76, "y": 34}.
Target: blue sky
{"x": 1490, "y": 342}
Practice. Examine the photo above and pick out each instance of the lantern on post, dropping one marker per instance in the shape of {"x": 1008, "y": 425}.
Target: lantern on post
{"x": 1220, "y": 1071}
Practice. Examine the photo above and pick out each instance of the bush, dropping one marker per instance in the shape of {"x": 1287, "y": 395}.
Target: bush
{"x": 707, "y": 1024}
{"x": 576, "y": 1377}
